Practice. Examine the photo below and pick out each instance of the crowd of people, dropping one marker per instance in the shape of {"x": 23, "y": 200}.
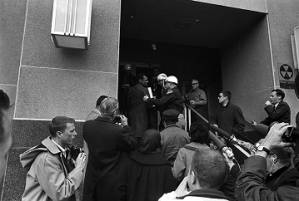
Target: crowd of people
{"x": 134, "y": 159}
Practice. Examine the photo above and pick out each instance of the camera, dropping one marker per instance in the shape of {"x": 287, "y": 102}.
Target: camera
{"x": 289, "y": 135}
{"x": 117, "y": 119}
{"x": 75, "y": 151}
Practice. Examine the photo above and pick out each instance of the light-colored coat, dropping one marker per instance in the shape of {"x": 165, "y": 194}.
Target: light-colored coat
{"x": 47, "y": 177}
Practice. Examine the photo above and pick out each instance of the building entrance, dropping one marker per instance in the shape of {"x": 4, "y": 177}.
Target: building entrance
{"x": 224, "y": 47}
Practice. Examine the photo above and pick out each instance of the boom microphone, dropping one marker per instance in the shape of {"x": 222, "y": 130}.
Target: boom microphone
{"x": 231, "y": 138}
{"x": 223, "y": 133}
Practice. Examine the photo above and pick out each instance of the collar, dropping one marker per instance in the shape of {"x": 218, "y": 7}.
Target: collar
{"x": 276, "y": 105}
{"x": 49, "y": 144}
{"x": 105, "y": 118}
{"x": 207, "y": 193}
{"x": 278, "y": 172}
{"x": 59, "y": 147}
{"x": 95, "y": 110}
{"x": 224, "y": 106}
{"x": 171, "y": 125}
{"x": 196, "y": 89}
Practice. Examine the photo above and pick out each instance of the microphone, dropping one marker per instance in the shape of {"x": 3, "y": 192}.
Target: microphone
{"x": 222, "y": 147}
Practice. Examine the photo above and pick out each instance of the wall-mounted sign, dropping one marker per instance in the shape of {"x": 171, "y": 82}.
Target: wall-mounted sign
{"x": 286, "y": 76}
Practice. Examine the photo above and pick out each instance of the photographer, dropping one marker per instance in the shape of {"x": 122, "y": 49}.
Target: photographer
{"x": 52, "y": 173}
{"x": 107, "y": 141}
{"x": 269, "y": 175}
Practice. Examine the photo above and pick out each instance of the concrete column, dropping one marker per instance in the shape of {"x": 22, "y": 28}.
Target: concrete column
{"x": 247, "y": 71}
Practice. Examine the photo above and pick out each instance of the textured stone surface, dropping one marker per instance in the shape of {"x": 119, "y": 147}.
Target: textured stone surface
{"x": 27, "y": 133}
{"x": 12, "y": 15}
{"x": 102, "y": 55}
{"x": 45, "y": 93}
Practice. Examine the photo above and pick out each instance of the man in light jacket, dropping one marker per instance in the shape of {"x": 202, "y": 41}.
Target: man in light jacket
{"x": 53, "y": 174}
{"x": 208, "y": 172}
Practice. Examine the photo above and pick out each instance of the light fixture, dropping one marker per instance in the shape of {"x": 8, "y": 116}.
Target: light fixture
{"x": 71, "y": 20}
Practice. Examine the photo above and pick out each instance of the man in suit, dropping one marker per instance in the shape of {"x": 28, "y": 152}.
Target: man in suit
{"x": 276, "y": 108}
{"x": 138, "y": 109}
{"x": 107, "y": 141}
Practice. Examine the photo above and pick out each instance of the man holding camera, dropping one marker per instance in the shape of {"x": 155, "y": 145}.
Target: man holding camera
{"x": 269, "y": 175}
{"x": 52, "y": 172}
{"x": 107, "y": 140}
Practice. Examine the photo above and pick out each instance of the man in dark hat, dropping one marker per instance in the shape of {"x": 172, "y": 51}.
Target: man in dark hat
{"x": 172, "y": 137}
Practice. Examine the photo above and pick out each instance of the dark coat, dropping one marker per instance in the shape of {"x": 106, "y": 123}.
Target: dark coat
{"x": 281, "y": 113}
{"x": 230, "y": 118}
{"x": 149, "y": 177}
{"x": 170, "y": 100}
{"x": 106, "y": 142}
{"x": 138, "y": 109}
{"x": 253, "y": 185}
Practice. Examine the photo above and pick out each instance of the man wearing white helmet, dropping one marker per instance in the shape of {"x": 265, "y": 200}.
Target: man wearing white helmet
{"x": 160, "y": 90}
{"x": 172, "y": 99}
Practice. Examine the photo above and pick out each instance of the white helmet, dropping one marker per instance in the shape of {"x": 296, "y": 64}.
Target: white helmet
{"x": 172, "y": 79}
{"x": 161, "y": 76}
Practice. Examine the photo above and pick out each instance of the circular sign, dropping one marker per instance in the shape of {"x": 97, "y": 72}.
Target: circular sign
{"x": 286, "y": 71}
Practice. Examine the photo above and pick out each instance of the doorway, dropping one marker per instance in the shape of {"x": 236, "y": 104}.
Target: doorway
{"x": 190, "y": 39}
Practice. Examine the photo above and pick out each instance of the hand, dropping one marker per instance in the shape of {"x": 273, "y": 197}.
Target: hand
{"x": 274, "y": 135}
{"x": 145, "y": 98}
{"x": 192, "y": 102}
{"x": 80, "y": 160}
{"x": 124, "y": 120}
{"x": 268, "y": 103}
{"x": 182, "y": 189}
{"x": 228, "y": 155}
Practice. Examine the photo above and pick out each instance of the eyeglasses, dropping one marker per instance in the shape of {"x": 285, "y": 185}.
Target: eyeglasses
{"x": 194, "y": 83}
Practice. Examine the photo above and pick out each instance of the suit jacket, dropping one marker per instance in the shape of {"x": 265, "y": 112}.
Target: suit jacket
{"x": 171, "y": 100}
{"x": 138, "y": 109}
{"x": 106, "y": 142}
{"x": 281, "y": 113}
